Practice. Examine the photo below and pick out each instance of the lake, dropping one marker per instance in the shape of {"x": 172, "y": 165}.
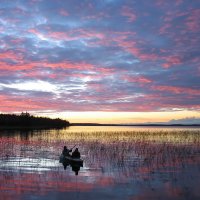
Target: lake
{"x": 132, "y": 163}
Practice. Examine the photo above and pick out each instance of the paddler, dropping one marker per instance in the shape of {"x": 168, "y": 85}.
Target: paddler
{"x": 66, "y": 151}
{"x": 76, "y": 153}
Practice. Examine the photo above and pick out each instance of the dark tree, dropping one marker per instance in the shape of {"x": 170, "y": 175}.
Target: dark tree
{"x": 27, "y": 120}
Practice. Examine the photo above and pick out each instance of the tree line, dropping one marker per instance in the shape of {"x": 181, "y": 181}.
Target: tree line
{"x": 27, "y": 120}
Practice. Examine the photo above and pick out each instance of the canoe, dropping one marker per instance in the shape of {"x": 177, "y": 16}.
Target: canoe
{"x": 71, "y": 160}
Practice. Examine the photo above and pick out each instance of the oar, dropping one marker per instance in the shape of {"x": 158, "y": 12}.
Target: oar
{"x": 73, "y": 146}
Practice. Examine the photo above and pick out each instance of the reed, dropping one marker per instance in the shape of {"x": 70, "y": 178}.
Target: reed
{"x": 123, "y": 156}
{"x": 110, "y": 149}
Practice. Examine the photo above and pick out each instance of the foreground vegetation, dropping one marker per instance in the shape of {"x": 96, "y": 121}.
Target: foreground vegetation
{"x": 156, "y": 162}
{"x": 25, "y": 120}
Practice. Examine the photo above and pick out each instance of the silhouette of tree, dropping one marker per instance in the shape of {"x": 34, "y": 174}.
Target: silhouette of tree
{"x": 27, "y": 120}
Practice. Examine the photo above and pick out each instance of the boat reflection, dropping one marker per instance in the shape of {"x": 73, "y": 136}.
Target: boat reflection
{"x": 75, "y": 166}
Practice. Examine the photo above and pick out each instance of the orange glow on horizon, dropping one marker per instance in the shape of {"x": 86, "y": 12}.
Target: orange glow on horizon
{"x": 122, "y": 117}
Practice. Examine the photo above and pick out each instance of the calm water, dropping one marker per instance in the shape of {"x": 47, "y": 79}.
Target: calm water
{"x": 119, "y": 163}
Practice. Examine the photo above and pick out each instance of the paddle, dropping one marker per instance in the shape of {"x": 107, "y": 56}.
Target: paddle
{"x": 73, "y": 147}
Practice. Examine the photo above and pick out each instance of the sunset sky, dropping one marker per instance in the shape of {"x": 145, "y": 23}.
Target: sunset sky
{"x": 101, "y": 60}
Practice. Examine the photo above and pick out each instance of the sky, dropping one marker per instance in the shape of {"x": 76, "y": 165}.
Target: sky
{"x": 101, "y": 60}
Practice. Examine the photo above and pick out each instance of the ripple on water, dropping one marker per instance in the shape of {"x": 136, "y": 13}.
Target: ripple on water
{"x": 28, "y": 164}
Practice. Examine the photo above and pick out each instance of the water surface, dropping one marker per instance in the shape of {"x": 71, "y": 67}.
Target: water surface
{"x": 119, "y": 163}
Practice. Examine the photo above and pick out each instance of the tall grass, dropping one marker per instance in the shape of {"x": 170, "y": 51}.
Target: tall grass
{"x": 109, "y": 149}
{"x": 119, "y": 156}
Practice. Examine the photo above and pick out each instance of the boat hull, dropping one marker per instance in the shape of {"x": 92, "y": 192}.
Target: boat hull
{"x": 70, "y": 160}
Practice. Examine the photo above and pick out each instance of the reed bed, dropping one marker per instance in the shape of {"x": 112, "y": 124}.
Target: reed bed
{"x": 117, "y": 149}
{"x": 173, "y": 137}
{"x": 30, "y": 159}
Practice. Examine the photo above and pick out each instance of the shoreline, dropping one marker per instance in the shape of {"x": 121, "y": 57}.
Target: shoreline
{"x": 30, "y": 127}
{"x": 161, "y": 125}
{"x": 94, "y": 125}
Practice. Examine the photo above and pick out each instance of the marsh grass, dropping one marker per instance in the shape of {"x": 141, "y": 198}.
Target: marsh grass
{"x": 109, "y": 150}
{"x": 143, "y": 159}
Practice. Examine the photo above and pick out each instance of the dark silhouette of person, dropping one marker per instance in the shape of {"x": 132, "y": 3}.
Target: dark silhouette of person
{"x": 76, "y": 153}
{"x": 66, "y": 151}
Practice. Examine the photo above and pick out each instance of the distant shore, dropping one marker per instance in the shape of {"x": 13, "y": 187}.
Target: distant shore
{"x": 27, "y": 121}
{"x": 97, "y": 124}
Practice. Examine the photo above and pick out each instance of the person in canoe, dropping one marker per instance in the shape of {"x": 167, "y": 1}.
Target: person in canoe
{"x": 76, "y": 153}
{"x": 66, "y": 151}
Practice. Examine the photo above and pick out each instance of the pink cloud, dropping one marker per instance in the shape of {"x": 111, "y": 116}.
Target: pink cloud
{"x": 177, "y": 90}
{"x": 178, "y": 2}
{"x": 91, "y": 102}
{"x": 192, "y": 22}
{"x": 17, "y": 41}
{"x": 10, "y": 55}
{"x": 17, "y": 103}
{"x": 97, "y": 16}
{"x": 22, "y": 64}
{"x": 42, "y": 74}
{"x": 164, "y": 28}
{"x": 67, "y": 65}
{"x": 131, "y": 47}
{"x": 137, "y": 79}
{"x": 105, "y": 71}
{"x": 83, "y": 67}
{"x": 172, "y": 60}
{"x": 39, "y": 73}
{"x": 69, "y": 35}
{"x": 163, "y": 3}
{"x": 95, "y": 87}
{"x": 121, "y": 38}
{"x": 129, "y": 13}
{"x": 63, "y": 12}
